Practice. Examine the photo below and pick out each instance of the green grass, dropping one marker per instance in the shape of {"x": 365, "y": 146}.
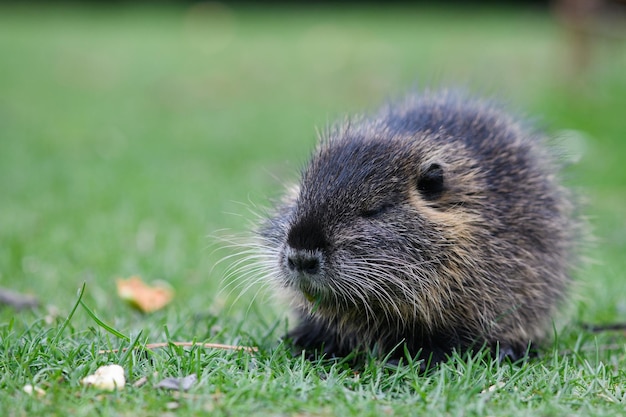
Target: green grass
{"x": 131, "y": 137}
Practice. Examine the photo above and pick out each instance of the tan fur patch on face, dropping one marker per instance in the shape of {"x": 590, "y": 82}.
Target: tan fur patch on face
{"x": 462, "y": 186}
{"x": 457, "y": 216}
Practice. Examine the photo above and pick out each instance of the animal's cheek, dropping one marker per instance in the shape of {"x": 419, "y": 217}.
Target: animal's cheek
{"x": 391, "y": 226}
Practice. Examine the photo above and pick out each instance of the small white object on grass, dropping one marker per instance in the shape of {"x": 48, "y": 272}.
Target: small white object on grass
{"x": 34, "y": 389}
{"x": 109, "y": 377}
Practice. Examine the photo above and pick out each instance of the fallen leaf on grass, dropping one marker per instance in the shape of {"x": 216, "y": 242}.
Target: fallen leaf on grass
{"x": 178, "y": 384}
{"x": 109, "y": 377}
{"x": 16, "y": 300}
{"x": 142, "y": 296}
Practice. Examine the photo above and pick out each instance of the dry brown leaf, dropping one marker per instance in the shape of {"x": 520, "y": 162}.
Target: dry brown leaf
{"x": 142, "y": 296}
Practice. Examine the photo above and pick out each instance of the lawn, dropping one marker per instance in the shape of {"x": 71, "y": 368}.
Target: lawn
{"x": 133, "y": 140}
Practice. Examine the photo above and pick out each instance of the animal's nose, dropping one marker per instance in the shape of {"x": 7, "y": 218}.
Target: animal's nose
{"x": 302, "y": 261}
{"x": 307, "y": 234}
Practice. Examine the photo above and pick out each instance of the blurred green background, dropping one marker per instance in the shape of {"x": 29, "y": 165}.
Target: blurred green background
{"x": 132, "y": 135}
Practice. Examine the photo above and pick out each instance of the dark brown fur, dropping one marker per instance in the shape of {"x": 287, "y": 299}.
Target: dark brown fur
{"x": 437, "y": 224}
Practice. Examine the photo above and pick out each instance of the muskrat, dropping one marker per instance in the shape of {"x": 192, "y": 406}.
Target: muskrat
{"x": 437, "y": 224}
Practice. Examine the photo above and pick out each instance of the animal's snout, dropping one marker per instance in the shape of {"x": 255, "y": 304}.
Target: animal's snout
{"x": 304, "y": 261}
{"x": 307, "y": 235}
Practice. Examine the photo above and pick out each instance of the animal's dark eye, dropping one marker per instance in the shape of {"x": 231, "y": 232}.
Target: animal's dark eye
{"x": 375, "y": 211}
{"x": 431, "y": 184}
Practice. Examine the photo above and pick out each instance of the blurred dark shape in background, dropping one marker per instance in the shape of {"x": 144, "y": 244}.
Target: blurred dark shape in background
{"x": 289, "y": 3}
{"x": 590, "y": 25}
{"x": 243, "y": 3}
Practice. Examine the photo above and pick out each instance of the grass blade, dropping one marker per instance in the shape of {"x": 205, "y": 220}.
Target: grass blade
{"x": 103, "y": 324}
{"x": 69, "y": 317}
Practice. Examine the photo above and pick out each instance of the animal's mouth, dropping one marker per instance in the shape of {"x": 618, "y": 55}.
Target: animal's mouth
{"x": 310, "y": 297}
{"x": 312, "y": 291}
{"x": 316, "y": 302}
{"x": 311, "y": 294}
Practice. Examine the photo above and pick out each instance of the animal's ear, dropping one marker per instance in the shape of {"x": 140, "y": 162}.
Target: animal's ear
{"x": 431, "y": 182}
